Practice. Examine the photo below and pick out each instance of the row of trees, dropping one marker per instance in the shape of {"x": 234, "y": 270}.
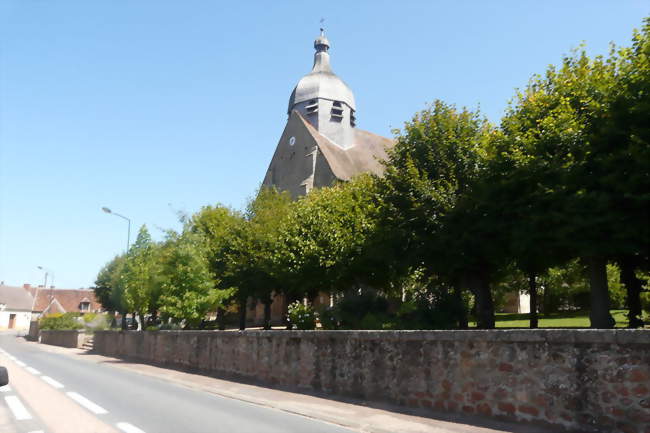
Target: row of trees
{"x": 463, "y": 205}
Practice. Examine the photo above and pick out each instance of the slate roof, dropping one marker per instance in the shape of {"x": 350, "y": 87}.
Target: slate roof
{"x": 364, "y": 157}
{"x": 16, "y": 298}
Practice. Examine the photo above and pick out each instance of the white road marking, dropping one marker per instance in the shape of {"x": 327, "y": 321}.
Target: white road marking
{"x": 97, "y": 410}
{"x": 33, "y": 370}
{"x": 52, "y": 382}
{"x": 5, "y": 388}
{"x": 21, "y": 363}
{"x": 20, "y": 412}
{"x": 128, "y": 428}
{"x": 37, "y": 431}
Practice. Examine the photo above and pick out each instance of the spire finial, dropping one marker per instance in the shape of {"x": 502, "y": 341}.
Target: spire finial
{"x": 321, "y": 43}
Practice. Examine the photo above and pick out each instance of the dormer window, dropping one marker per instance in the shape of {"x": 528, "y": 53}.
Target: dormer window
{"x": 312, "y": 106}
{"x": 84, "y": 306}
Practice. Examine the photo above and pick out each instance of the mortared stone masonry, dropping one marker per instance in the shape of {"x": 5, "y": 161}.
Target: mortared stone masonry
{"x": 576, "y": 380}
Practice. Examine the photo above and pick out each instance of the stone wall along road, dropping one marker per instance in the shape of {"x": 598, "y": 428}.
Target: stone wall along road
{"x": 586, "y": 380}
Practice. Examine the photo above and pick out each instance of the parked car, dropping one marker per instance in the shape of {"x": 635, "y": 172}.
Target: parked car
{"x": 4, "y": 376}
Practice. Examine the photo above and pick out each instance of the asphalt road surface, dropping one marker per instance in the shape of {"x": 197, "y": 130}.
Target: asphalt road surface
{"x": 52, "y": 393}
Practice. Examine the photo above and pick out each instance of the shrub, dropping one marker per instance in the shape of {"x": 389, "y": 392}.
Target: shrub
{"x": 367, "y": 310}
{"x": 302, "y": 316}
{"x": 66, "y": 321}
{"x": 89, "y": 317}
{"x": 328, "y": 318}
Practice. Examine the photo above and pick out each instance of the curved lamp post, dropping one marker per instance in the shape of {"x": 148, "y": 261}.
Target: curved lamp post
{"x": 128, "y": 233}
{"x": 51, "y": 274}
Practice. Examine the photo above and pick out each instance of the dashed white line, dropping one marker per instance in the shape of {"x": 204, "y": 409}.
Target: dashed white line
{"x": 52, "y": 382}
{"x": 17, "y": 408}
{"x": 37, "y": 431}
{"x": 33, "y": 370}
{"x": 21, "y": 363}
{"x": 5, "y": 388}
{"x": 97, "y": 410}
{"x": 128, "y": 428}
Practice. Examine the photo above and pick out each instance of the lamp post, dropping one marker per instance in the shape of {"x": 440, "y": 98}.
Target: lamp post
{"x": 50, "y": 273}
{"x": 128, "y": 245}
{"x": 128, "y": 233}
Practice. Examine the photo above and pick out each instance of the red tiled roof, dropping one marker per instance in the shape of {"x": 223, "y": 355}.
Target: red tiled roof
{"x": 69, "y": 300}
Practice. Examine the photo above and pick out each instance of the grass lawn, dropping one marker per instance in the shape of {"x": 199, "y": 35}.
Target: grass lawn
{"x": 573, "y": 319}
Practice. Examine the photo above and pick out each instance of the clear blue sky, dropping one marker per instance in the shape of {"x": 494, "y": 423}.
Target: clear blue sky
{"x": 152, "y": 107}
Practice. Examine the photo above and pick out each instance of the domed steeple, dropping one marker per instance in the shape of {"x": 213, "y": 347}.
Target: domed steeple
{"x": 324, "y": 100}
{"x": 321, "y": 82}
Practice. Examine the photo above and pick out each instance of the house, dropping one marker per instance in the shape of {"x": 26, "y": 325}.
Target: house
{"x": 51, "y": 300}
{"x": 15, "y": 307}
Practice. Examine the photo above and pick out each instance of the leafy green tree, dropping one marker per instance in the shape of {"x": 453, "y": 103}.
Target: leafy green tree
{"x": 218, "y": 226}
{"x": 189, "y": 290}
{"x": 622, "y": 154}
{"x": 429, "y": 187}
{"x": 554, "y": 127}
{"x": 109, "y": 287}
{"x": 323, "y": 239}
{"x": 250, "y": 265}
{"x": 141, "y": 277}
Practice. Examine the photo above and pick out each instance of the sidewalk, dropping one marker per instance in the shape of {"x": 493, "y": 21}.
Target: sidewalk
{"x": 355, "y": 415}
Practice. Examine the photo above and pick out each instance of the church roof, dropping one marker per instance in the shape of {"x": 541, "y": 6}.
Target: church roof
{"x": 321, "y": 82}
{"x": 364, "y": 156}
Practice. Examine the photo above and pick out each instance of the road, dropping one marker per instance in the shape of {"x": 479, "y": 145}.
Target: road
{"x": 54, "y": 393}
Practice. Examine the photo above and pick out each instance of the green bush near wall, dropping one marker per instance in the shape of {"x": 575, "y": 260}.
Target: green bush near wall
{"x": 59, "y": 322}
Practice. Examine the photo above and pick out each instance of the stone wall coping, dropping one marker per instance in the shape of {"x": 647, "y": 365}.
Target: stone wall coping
{"x": 557, "y": 336}
{"x": 63, "y": 331}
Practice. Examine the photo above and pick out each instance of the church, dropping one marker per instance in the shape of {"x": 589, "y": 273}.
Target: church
{"x": 319, "y": 146}
{"x": 320, "y": 143}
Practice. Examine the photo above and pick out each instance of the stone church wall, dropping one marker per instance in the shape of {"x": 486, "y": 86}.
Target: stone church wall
{"x": 585, "y": 380}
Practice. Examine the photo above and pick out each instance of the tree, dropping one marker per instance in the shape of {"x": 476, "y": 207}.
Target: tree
{"x": 622, "y": 154}
{"x": 430, "y": 179}
{"x": 250, "y": 264}
{"x": 109, "y": 287}
{"x": 141, "y": 275}
{"x": 189, "y": 289}
{"x": 218, "y": 226}
{"x": 323, "y": 240}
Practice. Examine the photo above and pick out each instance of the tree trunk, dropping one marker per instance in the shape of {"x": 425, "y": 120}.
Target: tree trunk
{"x": 460, "y": 305}
{"x": 599, "y": 314}
{"x": 532, "y": 288}
{"x": 242, "y": 315}
{"x": 142, "y": 323}
{"x": 633, "y": 286}
{"x": 124, "y": 326}
{"x": 221, "y": 319}
{"x": 267, "y": 313}
{"x": 484, "y": 303}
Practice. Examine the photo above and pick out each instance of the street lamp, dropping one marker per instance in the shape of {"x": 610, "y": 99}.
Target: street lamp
{"x": 50, "y": 273}
{"x": 128, "y": 233}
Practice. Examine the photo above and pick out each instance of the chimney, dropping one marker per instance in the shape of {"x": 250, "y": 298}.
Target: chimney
{"x": 27, "y": 286}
